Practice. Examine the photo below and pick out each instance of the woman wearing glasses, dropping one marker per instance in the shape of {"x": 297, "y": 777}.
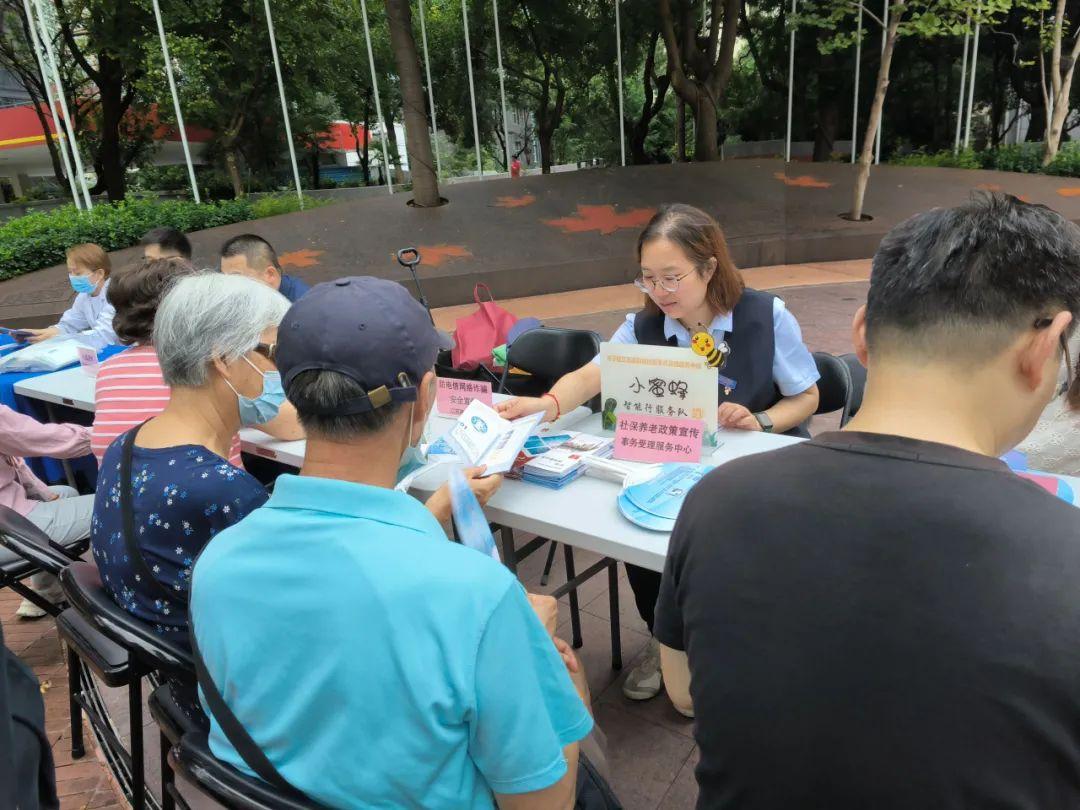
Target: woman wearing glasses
{"x": 214, "y": 337}
{"x": 695, "y": 294}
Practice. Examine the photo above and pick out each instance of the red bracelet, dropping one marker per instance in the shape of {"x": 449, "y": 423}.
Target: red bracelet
{"x": 558, "y": 407}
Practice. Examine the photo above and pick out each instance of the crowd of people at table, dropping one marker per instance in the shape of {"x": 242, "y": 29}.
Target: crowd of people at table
{"x": 882, "y": 616}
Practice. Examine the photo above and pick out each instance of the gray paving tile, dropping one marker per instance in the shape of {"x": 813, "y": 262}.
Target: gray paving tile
{"x": 644, "y": 759}
{"x": 683, "y": 793}
{"x": 595, "y": 652}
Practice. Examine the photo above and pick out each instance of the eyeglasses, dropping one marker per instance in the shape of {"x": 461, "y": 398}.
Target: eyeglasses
{"x": 267, "y": 350}
{"x": 1070, "y": 373}
{"x": 668, "y": 283}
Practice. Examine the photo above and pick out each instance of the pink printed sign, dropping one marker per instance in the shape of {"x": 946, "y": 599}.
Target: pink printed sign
{"x": 88, "y": 360}
{"x": 639, "y": 437}
{"x": 452, "y": 397}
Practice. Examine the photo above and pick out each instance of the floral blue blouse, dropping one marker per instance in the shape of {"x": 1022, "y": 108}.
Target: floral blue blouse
{"x": 183, "y": 496}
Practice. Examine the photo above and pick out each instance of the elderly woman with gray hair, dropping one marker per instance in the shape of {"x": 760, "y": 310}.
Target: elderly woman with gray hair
{"x": 214, "y": 337}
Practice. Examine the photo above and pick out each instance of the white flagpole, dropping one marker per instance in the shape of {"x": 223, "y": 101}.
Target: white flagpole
{"x": 502, "y": 82}
{"x": 971, "y": 90}
{"x": 378, "y": 103}
{"x": 59, "y": 88}
{"x": 618, "y": 61}
{"x": 472, "y": 90}
{"x": 790, "y": 84}
{"x": 963, "y": 87}
{"x": 35, "y": 44}
{"x": 176, "y": 102}
{"x": 855, "y": 104}
{"x": 430, "y": 91}
{"x": 284, "y": 103}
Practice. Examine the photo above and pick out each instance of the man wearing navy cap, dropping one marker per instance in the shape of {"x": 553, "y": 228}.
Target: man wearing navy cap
{"x": 371, "y": 660}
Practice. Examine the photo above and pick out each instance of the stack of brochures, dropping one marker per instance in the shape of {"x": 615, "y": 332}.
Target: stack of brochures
{"x": 654, "y": 504}
{"x": 557, "y": 460}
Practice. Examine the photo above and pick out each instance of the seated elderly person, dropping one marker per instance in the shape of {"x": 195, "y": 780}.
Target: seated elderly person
{"x": 130, "y": 387}
{"x": 213, "y": 335}
{"x": 432, "y": 682}
{"x": 59, "y": 511}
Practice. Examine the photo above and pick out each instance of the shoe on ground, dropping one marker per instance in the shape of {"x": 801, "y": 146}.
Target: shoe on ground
{"x": 645, "y": 680}
{"x": 28, "y": 610}
{"x": 688, "y": 713}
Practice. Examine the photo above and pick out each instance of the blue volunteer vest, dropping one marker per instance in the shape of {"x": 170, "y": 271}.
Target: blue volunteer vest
{"x": 752, "y": 343}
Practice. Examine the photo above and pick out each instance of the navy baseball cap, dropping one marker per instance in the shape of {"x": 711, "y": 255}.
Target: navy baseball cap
{"x": 369, "y": 329}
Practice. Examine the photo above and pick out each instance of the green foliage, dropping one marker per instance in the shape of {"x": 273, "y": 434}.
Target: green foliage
{"x": 945, "y": 159}
{"x": 39, "y": 239}
{"x": 1025, "y": 158}
{"x": 277, "y": 204}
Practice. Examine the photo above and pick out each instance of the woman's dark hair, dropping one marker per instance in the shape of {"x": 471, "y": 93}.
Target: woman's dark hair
{"x": 136, "y": 293}
{"x": 701, "y": 239}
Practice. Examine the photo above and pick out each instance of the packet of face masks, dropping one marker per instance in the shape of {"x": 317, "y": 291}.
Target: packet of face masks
{"x": 469, "y": 519}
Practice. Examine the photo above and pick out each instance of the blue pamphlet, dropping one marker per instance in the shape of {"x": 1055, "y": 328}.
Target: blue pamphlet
{"x": 469, "y": 519}
{"x": 655, "y": 503}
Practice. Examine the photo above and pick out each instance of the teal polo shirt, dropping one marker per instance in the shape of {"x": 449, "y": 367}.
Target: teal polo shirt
{"x": 376, "y": 663}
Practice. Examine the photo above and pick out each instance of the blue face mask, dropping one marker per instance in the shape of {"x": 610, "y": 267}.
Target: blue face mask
{"x": 265, "y": 406}
{"x": 81, "y": 284}
{"x": 411, "y": 461}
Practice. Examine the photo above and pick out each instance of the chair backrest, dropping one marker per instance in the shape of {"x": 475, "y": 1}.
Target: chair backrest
{"x": 547, "y": 353}
{"x": 834, "y": 387}
{"x": 31, "y": 543}
{"x": 82, "y": 586}
{"x": 858, "y": 385}
{"x": 224, "y": 783}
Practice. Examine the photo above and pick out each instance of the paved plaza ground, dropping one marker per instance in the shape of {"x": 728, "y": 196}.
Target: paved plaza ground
{"x": 650, "y": 747}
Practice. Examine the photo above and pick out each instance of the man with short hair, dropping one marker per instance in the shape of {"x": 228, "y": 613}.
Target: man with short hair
{"x": 887, "y": 616}
{"x": 427, "y": 680}
{"x": 165, "y": 243}
{"x": 252, "y": 256}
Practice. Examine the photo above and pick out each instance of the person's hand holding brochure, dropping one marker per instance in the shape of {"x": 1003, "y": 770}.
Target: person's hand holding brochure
{"x": 481, "y": 436}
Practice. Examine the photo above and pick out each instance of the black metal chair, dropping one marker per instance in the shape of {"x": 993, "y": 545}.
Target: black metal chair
{"x": 546, "y": 354}
{"x": 834, "y": 387}
{"x": 175, "y": 709}
{"x": 28, "y": 550}
{"x": 121, "y": 649}
{"x": 858, "y": 385}
{"x": 225, "y": 784}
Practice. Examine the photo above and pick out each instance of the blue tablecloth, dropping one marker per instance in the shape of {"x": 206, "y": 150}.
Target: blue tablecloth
{"x": 48, "y": 469}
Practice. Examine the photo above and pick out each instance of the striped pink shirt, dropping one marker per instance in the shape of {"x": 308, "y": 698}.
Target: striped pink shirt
{"x": 130, "y": 390}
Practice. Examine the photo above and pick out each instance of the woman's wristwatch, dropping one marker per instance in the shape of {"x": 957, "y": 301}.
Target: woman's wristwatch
{"x": 765, "y": 422}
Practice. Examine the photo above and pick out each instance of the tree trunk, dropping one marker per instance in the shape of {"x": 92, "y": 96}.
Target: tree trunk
{"x": 365, "y": 159}
{"x": 425, "y": 181}
{"x": 827, "y": 125}
{"x": 40, "y": 110}
{"x": 394, "y": 169}
{"x": 705, "y": 130}
{"x": 233, "y": 168}
{"x": 1060, "y": 85}
{"x": 680, "y": 130}
{"x": 545, "y": 134}
{"x": 828, "y": 106}
{"x": 862, "y": 178}
{"x": 110, "y": 88}
{"x": 314, "y": 164}
{"x": 650, "y": 106}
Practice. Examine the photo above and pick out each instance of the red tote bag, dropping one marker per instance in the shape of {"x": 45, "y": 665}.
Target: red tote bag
{"x": 477, "y": 334}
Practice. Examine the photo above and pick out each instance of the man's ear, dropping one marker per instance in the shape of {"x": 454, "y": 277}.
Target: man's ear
{"x": 858, "y": 334}
{"x": 1038, "y": 347}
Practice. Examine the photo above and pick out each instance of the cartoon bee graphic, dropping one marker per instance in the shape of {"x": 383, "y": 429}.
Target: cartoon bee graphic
{"x": 703, "y": 345}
